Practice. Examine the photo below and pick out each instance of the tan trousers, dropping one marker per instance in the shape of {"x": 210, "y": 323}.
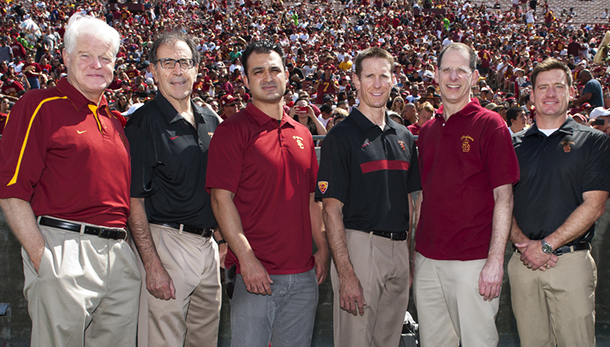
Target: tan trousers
{"x": 191, "y": 319}
{"x": 382, "y": 266}
{"x": 85, "y": 292}
{"x": 449, "y": 306}
{"x": 556, "y": 306}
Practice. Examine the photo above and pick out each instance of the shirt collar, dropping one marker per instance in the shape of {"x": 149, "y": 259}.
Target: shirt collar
{"x": 470, "y": 109}
{"x": 171, "y": 115}
{"x": 77, "y": 98}
{"x": 262, "y": 118}
{"x": 365, "y": 124}
{"x": 568, "y": 127}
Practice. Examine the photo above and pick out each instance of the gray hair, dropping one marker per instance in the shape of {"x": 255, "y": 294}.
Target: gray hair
{"x": 81, "y": 24}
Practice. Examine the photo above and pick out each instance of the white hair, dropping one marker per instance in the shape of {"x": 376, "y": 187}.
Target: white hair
{"x": 80, "y": 24}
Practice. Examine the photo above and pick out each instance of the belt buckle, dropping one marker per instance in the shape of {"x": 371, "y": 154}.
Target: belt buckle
{"x": 559, "y": 251}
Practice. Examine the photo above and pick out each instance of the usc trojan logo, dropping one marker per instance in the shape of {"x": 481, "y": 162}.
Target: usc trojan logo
{"x": 299, "y": 141}
{"x": 465, "y": 143}
{"x": 402, "y": 145}
{"x": 322, "y": 185}
{"x": 567, "y": 146}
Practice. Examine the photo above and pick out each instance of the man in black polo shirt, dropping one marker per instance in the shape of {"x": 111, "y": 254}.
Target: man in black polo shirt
{"x": 367, "y": 170}
{"x": 563, "y": 188}
{"x": 171, "y": 217}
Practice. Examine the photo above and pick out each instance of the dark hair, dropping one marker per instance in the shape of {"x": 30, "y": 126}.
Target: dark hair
{"x": 326, "y": 108}
{"x": 373, "y": 52}
{"x": 512, "y": 114}
{"x": 548, "y": 65}
{"x": 472, "y": 63}
{"x": 171, "y": 37}
{"x": 260, "y": 47}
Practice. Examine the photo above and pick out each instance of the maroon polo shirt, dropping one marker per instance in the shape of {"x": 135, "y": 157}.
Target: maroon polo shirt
{"x": 272, "y": 170}
{"x": 461, "y": 162}
{"x": 65, "y": 160}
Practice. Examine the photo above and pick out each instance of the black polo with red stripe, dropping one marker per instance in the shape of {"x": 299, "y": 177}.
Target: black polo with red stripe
{"x": 370, "y": 171}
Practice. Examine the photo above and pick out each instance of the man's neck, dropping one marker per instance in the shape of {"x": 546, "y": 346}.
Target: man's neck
{"x": 375, "y": 115}
{"x": 550, "y": 122}
{"x": 451, "y": 109}
{"x": 273, "y": 110}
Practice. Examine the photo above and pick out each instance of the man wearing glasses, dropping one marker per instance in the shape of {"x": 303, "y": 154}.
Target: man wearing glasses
{"x": 467, "y": 167}
{"x": 171, "y": 218}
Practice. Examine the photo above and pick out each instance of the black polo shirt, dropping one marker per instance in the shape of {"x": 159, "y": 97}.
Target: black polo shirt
{"x": 370, "y": 171}
{"x": 555, "y": 172}
{"x": 169, "y": 160}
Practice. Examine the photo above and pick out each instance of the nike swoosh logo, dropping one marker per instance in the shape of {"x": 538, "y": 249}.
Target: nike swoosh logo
{"x": 174, "y": 137}
{"x": 81, "y": 132}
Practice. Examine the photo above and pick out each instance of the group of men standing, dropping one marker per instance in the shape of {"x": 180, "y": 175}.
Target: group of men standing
{"x": 188, "y": 185}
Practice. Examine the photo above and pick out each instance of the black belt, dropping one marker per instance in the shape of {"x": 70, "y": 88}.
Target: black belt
{"x": 105, "y": 233}
{"x": 205, "y": 232}
{"x": 577, "y": 247}
{"x": 394, "y": 236}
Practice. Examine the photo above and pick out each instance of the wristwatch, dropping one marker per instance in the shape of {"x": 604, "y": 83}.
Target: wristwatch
{"x": 546, "y": 248}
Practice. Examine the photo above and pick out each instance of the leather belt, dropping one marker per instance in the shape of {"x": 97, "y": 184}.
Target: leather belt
{"x": 577, "y": 247}
{"x": 394, "y": 236}
{"x": 205, "y": 232}
{"x": 103, "y": 232}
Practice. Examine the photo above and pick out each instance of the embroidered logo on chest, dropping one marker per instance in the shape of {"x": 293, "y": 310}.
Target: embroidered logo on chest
{"x": 567, "y": 146}
{"x": 466, "y": 143}
{"x": 299, "y": 141}
{"x": 402, "y": 145}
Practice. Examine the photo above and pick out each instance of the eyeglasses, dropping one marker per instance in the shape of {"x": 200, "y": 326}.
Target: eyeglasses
{"x": 169, "y": 63}
{"x": 231, "y": 105}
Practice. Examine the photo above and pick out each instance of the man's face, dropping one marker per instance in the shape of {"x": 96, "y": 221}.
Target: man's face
{"x": 90, "y": 66}
{"x": 551, "y": 94}
{"x": 519, "y": 123}
{"x": 230, "y": 109}
{"x": 175, "y": 84}
{"x": 424, "y": 116}
{"x": 266, "y": 77}
{"x": 455, "y": 78}
{"x": 375, "y": 82}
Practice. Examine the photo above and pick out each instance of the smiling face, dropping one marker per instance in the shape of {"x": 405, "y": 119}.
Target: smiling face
{"x": 374, "y": 83}
{"x": 90, "y": 66}
{"x": 551, "y": 94}
{"x": 175, "y": 84}
{"x": 455, "y": 78}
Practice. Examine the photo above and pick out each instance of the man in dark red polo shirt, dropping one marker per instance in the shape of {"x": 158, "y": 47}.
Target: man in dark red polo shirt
{"x": 261, "y": 171}
{"x": 468, "y": 167}
{"x": 64, "y": 189}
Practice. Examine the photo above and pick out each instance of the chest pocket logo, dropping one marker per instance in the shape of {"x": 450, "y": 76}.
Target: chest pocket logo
{"x": 299, "y": 141}
{"x": 402, "y": 145}
{"x": 567, "y": 146}
{"x": 466, "y": 143}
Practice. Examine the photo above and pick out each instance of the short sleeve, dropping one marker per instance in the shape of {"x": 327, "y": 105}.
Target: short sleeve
{"x": 333, "y": 175}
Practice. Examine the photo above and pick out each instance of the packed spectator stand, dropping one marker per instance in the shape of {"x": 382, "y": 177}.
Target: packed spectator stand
{"x": 320, "y": 39}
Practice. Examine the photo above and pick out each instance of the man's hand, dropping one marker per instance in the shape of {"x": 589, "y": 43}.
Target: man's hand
{"x": 351, "y": 295}
{"x": 222, "y": 254}
{"x": 255, "y": 277}
{"x": 533, "y": 257}
{"x": 322, "y": 260}
{"x": 159, "y": 283}
{"x": 490, "y": 279}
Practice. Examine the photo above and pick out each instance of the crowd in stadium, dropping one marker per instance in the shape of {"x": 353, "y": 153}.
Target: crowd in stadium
{"x": 320, "y": 40}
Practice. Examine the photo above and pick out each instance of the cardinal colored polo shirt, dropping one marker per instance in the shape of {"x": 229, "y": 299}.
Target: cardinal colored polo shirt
{"x": 555, "y": 172}
{"x": 462, "y": 160}
{"x": 370, "y": 171}
{"x": 67, "y": 157}
{"x": 271, "y": 168}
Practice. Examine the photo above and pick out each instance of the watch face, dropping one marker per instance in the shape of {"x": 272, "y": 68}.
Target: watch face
{"x": 546, "y": 248}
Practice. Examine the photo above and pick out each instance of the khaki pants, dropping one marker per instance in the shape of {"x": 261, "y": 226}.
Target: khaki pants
{"x": 85, "y": 292}
{"x": 556, "y": 306}
{"x": 192, "y": 318}
{"x": 382, "y": 266}
{"x": 449, "y": 306}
